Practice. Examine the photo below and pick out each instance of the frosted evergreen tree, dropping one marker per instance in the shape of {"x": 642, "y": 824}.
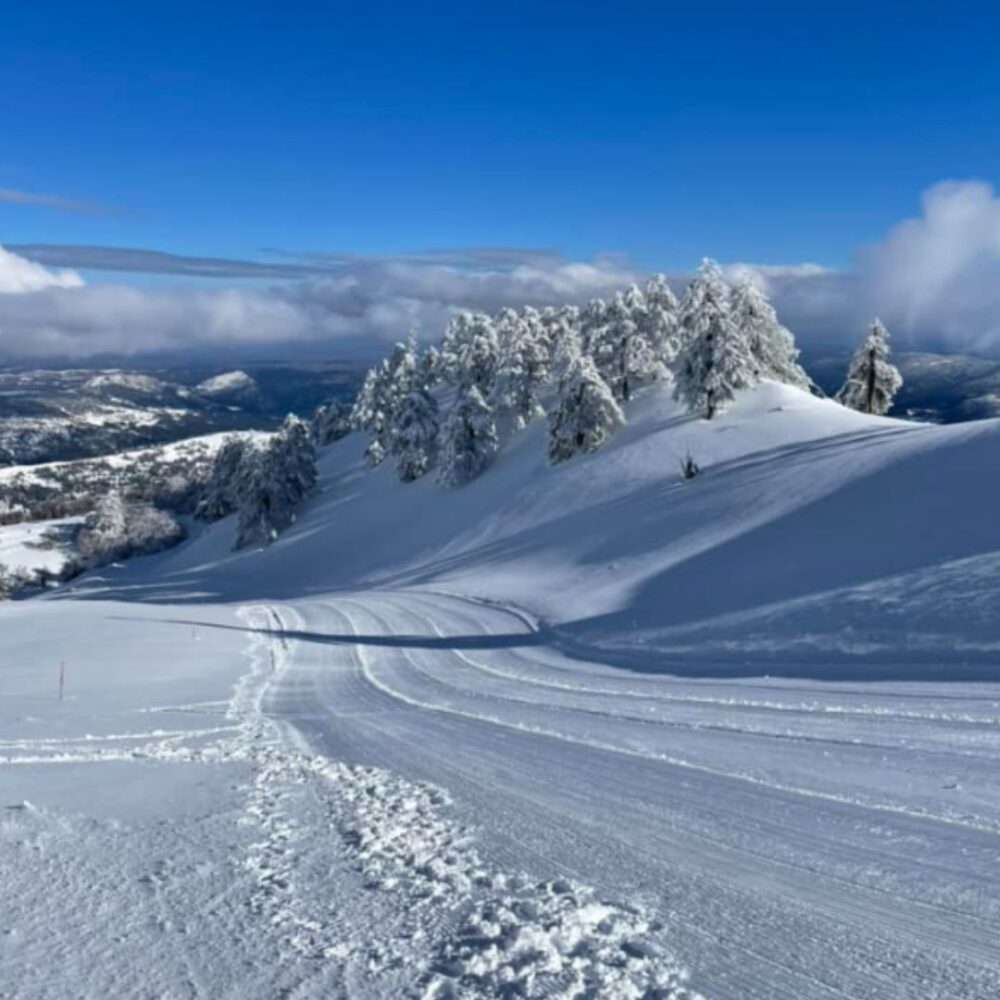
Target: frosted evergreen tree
{"x": 370, "y": 412}
{"x": 469, "y": 351}
{"x": 224, "y": 486}
{"x": 522, "y": 368}
{"x": 772, "y": 346}
{"x": 429, "y": 367}
{"x": 105, "y": 527}
{"x": 621, "y": 348}
{"x": 586, "y": 413}
{"x": 415, "y": 435}
{"x": 468, "y": 439}
{"x": 384, "y": 388}
{"x": 117, "y": 529}
{"x": 593, "y": 318}
{"x": 662, "y": 320}
{"x": 714, "y": 361}
{"x": 562, "y": 333}
{"x": 279, "y": 478}
{"x": 331, "y": 422}
{"x": 872, "y": 380}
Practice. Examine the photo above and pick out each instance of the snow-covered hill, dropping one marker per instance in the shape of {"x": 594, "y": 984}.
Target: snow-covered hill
{"x": 528, "y": 737}
{"x": 66, "y": 414}
{"x": 806, "y": 527}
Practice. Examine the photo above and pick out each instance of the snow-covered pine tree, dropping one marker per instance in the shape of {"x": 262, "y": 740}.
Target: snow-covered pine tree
{"x": 223, "y": 489}
{"x": 562, "y": 334}
{"x": 384, "y": 388}
{"x": 714, "y": 361}
{"x": 522, "y": 367}
{"x": 117, "y": 529}
{"x": 468, "y": 440}
{"x": 415, "y": 435}
{"x": 624, "y": 353}
{"x": 662, "y": 320}
{"x": 593, "y": 319}
{"x": 586, "y": 413}
{"x": 872, "y": 380}
{"x": 109, "y": 517}
{"x": 280, "y": 476}
{"x": 772, "y": 346}
{"x": 370, "y": 414}
{"x": 469, "y": 352}
{"x": 402, "y": 372}
{"x": 331, "y": 422}
{"x": 429, "y": 367}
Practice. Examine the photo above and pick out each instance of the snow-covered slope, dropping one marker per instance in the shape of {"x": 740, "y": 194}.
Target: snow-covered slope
{"x": 806, "y": 520}
{"x": 475, "y": 743}
{"x": 37, "y": 545}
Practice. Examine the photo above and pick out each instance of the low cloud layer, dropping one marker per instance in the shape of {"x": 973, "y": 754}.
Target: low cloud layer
{"x": 934, "y": 278}
{"x": 55, "y": 315}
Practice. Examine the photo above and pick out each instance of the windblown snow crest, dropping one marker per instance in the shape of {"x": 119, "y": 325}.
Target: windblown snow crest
{"x": 461, "y": 930}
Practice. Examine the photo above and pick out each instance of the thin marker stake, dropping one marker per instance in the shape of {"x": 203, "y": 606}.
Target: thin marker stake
{"x": 62, "y": 678}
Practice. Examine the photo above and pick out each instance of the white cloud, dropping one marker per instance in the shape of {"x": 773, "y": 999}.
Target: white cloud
{"x": 56, "y": 316}
{"x": 935, "y": 277}
{"x": 939, "y": 274}
{"x": 18, "y": 275}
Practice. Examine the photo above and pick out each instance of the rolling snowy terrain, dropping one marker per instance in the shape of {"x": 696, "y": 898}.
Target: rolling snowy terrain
{"x": 576, "y": 730}
{"x": 78, "y": 413}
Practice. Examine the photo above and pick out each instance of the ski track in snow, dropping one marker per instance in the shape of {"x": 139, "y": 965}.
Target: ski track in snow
{"x": 457, "y": 927}
{"x": 510, "y": 935}
{"x": 879, "y": 898}
{"x": 894, "y": 926}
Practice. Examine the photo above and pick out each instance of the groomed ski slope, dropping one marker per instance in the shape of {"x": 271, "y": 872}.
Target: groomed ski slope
{"x": 565, "y": 731}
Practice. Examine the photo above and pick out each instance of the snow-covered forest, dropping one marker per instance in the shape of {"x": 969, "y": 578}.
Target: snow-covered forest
{"x": 451, "y": 406}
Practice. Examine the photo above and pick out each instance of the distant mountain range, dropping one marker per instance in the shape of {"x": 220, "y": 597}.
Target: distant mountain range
{"x": 55, "y": 415}
{"x": 940, "y": 388}
{"x": 61, "y": 414}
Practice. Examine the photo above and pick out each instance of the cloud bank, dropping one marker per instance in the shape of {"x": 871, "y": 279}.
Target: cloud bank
{"x": 933, "y": 278}
{"x": 940, "y": 273}
{"x": 54, "y": 315}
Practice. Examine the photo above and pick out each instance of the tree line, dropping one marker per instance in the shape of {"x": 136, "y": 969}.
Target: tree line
{"x": 448, "y": 407}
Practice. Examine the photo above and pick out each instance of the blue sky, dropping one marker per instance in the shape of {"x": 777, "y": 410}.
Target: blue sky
{"x": 765, "y": 132}
{"x": 773, "y": 133}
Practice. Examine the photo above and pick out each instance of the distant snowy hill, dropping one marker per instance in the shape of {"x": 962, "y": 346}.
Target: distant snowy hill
{"x": 51, "y": 415}
{"x": 229, "y": 385}
{"x": 943, "y": 388}
{"x": 808, "y": 526}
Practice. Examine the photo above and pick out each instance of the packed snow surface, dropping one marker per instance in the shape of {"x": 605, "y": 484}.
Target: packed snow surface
{"x": 588, "y": 731}
{"x": 37, "y": 545}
